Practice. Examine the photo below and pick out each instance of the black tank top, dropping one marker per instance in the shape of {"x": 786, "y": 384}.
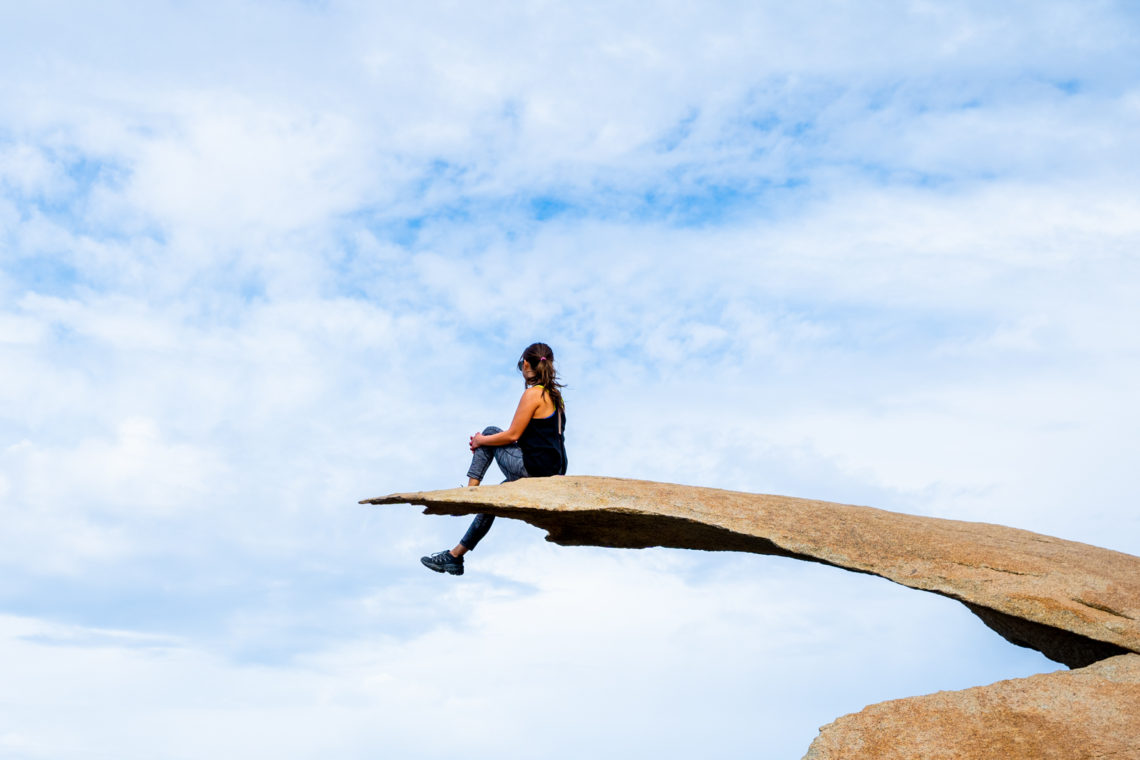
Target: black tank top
{"x": 544, "y": 445}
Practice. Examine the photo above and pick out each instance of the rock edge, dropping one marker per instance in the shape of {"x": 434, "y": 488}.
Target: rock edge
{"x": 1075, "y": 603}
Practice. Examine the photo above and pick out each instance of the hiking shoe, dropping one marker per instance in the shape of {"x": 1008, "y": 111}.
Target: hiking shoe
{"x": 443, "y": 562}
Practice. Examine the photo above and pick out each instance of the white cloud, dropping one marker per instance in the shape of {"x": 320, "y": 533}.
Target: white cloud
{"x": 28, "y": 171}
{"x": 618, "y": 640}
{"x": 260, "y": 261}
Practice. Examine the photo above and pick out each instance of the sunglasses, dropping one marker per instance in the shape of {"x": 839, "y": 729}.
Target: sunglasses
{"x": 520, "y": 365}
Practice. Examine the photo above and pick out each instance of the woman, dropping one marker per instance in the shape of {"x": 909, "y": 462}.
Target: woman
{"x": 532, "y": 447}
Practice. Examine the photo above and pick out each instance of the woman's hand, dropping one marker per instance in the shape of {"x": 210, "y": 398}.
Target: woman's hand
{"x": 474, "y": 443}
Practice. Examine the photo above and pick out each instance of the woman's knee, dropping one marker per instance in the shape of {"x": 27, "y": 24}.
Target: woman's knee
{"x": 491, "y": 430}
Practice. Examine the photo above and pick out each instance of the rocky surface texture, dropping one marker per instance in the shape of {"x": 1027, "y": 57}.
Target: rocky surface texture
{"x": 1077, "y": 604}
{"x": 1093, "y": 712}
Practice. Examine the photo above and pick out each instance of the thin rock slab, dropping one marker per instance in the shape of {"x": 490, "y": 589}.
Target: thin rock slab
{"x": 1075, "y": 603}
{"x": 1082, "y": 714}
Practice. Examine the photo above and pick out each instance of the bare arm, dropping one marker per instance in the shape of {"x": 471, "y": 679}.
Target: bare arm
{"x": 528, "y": 405}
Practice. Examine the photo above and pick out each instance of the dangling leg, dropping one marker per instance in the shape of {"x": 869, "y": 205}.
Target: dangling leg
{"x": 480, "y": 462}
{"x": 452, "y": 561}
{"x": 479, "y": 527}
{"x": 510, "y": 461}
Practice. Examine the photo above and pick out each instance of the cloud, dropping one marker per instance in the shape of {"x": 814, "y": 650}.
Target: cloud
{"x": 261, "y": 261}
{"x": 508, "y": 657}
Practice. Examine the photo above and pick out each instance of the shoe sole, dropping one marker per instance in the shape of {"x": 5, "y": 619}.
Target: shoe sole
{"x": 440, "y": 568}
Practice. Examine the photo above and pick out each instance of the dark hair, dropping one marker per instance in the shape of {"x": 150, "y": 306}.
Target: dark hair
{"x": 540, "y": 357}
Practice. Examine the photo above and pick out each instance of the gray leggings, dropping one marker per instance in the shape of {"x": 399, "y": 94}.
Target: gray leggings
{"x": 510, "y": 461}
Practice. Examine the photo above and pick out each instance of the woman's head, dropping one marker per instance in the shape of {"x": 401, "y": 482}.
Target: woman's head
{"x": 537, "y": 366}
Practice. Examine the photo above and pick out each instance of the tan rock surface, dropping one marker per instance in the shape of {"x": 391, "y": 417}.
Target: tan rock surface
{"x": 1089, "y": 713}
{"x": 1075, "y": 603}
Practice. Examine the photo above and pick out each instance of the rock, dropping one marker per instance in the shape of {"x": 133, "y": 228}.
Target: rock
{"x": 1089, "y": 713}
{"x": 1075, "y": 603}
{"x": 1078, "y": 604}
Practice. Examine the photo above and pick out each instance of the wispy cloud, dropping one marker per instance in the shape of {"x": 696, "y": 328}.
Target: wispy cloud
{"x": 259, "y": 261}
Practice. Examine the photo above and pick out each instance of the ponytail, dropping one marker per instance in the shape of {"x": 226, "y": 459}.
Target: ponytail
{"x": 540, "y": 357}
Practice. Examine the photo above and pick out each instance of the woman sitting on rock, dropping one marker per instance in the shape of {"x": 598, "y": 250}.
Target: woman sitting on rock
{"x": 532, "y": 447}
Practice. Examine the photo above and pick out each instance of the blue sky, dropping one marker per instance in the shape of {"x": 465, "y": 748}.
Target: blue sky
{"x": 261, "y": 260}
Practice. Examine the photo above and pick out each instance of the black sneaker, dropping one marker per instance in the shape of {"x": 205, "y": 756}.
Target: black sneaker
{"x": 443, "y": 562}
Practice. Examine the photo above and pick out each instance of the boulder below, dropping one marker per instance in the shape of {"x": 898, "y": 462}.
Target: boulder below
{"x": 1075, "y": 603}
{"x": 1089, "y": 713}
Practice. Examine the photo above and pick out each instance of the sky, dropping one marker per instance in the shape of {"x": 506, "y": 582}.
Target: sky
{"x": 260, "y": 260}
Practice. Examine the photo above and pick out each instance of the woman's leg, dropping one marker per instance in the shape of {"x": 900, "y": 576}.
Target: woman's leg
{"x": 481, "y": 457}
{"x": 510, "y": 461}
{"x": 479, "y": 527}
